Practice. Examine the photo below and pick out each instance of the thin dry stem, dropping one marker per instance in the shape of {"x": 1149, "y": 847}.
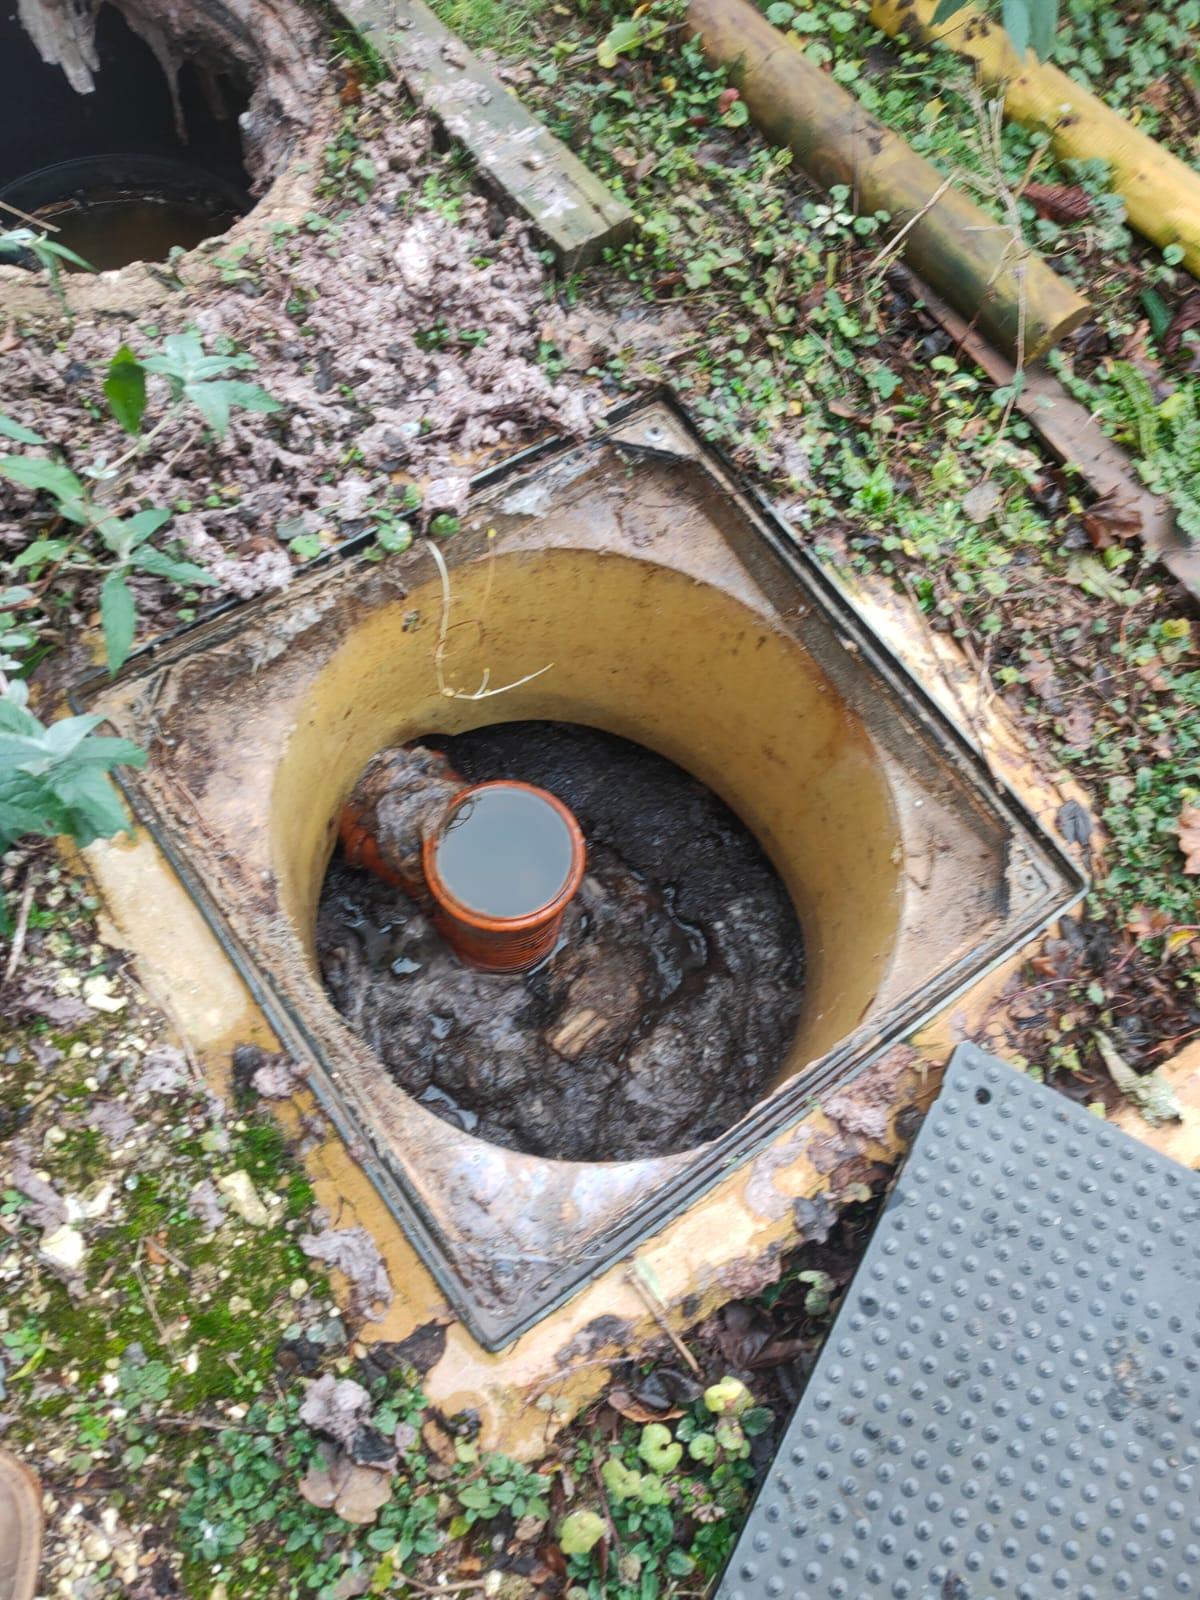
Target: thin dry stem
{"x": 483, "y": 692}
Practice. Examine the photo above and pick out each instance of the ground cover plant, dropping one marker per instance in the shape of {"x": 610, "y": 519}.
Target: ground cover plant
{"x": 170, "y": 1351}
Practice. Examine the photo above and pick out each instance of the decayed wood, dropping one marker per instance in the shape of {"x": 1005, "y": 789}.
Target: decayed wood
{"x": 568, "y": 206}
{"x": 1075, "y": 438}
{"x": 1179, "y": 1140}
{"x": 970, "y": 259}
{"x": 20, "y": 1529}
{"x": 1161, "y": 193}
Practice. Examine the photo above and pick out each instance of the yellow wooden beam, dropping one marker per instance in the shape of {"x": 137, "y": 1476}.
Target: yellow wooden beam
{"x": 1161, "y": 193}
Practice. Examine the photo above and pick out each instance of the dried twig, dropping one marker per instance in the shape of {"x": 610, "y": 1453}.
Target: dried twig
{"x": 444, "y": 689}
{"x": 656, "y": 1309}
{"x": 439, "y": 1588}
{"x": 891, "y": 248}
{"x": 17, "y": 948}
{"x": 150, "y": 1302}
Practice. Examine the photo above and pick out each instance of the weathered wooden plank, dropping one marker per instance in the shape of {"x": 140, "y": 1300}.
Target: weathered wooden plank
{"x": 567, "y": 205}
{"x": 1074, "y": 436}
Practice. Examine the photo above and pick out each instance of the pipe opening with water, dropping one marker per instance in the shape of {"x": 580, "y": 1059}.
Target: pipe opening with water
{"x": 645, "y": 1003}
{"x": 136, "y": 167}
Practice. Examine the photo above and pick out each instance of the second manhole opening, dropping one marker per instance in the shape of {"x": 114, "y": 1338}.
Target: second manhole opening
{"x": 130, "y": 130}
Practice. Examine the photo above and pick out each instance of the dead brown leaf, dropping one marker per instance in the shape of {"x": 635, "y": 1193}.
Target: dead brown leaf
{"x": 1145, "y": 923}
{"x": 1059, "y": 202}
{"x": 1077, "y": 727}
{"x": 1189, "y": 837}
{"x": 1185, "y": 318}
{"x": 439, "y": 1442}
{"x": 634, "y": 1411}
{"x": 1109, "y": 520}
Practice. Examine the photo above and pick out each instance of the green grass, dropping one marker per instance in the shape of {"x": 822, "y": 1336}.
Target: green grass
{"x": 507, "y": 26}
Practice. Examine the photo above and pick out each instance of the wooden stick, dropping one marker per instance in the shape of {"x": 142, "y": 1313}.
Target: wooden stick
{"x": 653, "y": 1305}
{"x": 16, "y": 949}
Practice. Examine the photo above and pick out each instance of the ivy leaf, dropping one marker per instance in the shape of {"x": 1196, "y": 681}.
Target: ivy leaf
{"x": 628, "y": 36}
{"x": 1015, "y": 16}
{"x": 13, "y": 430}
{"x": 125, "y": 389}
{"x": 118, "y": 618}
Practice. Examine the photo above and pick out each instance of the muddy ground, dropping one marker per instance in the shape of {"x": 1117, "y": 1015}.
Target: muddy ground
{"x": 663, "y": 1016}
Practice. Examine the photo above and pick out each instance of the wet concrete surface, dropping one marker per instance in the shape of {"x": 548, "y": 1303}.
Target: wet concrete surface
{"x": 664, "y": 1013}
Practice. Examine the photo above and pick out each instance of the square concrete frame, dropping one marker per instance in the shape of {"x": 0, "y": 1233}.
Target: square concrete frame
{"x": 225, "y": 705}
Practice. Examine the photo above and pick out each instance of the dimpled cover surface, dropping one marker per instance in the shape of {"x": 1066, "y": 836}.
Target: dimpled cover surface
{"x": 1008, "y": 1403}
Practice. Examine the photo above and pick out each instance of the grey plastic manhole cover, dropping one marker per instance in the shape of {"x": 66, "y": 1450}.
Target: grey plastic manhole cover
{"x": 1008, "y": 1404}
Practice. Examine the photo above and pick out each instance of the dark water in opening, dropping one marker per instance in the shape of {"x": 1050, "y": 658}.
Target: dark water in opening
{"x": 665, "y": 1012}
{"x": 505, "y": 853}
{"x": 110, "y": 230}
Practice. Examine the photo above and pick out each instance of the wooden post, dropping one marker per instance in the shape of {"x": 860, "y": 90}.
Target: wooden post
{"x": 967, "y": 256}
{"x": 1161, "y": 193}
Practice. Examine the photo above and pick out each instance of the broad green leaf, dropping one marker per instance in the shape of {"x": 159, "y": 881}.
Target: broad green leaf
{"x": 98, "y": 751}
{"x": 51, "y": 247}
{"x": 95, "y": 810}
{"x": 118, "y": 618}
{"x": 67, "y": 733}
{"x": 142, "y": 524}
{"x": 1043, "y": 22}
{"x": 249, "y": 396}
{"x": 628, "y": 35}
{"x": 1015, "y": 16}
{"x": 154, "y": 561}
{"x": 183, "y": 360}
{"x": 24, "y": 752}
{"x": 28, "y": 809}
{"x": 54, "y": 780}
{"x": 39, "y": 551}
{"x": 32, "y": 472}
{"x": 125, "y": 389}
{"x": 945, "y": 10}
{"x": 211, "y": 402}
{"x": 13, "y": 430}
